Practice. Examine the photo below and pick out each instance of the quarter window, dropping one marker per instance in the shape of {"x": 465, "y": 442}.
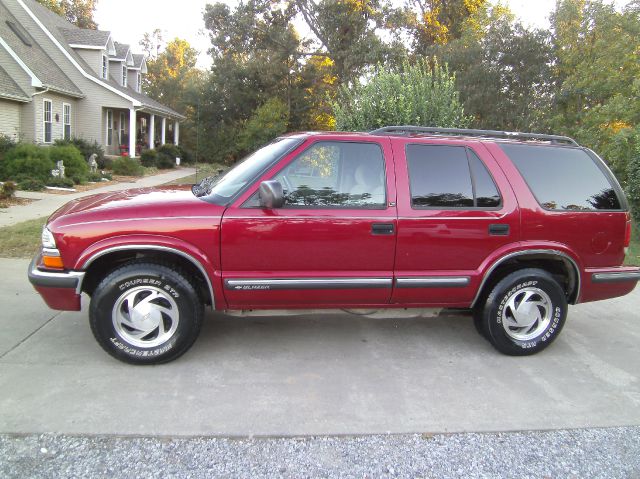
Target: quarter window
{"x": 336, "y": 175}
{"x": 66, "y": 120}
{"x": 563, "y": 178}
{"x": 449, "y": 177}
{"x": 47, "y": 117}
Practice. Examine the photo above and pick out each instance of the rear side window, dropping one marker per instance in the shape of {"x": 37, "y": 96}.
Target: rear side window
{"x": 563, "y": 178}
{"x": 449, "y": 177}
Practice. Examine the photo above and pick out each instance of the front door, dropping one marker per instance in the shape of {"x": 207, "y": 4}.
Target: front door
{"x": 332, "y": 244}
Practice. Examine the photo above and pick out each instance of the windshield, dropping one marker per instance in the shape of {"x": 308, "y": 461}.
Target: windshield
{"x": 220, "y": 189}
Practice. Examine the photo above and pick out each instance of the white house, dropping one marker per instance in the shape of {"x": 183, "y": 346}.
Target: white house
{"x": 61, "y": 81}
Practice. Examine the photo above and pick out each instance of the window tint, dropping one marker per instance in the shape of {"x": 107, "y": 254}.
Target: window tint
{"x": 336, "y": 175}
{"x": 439, "y": 176}
{"x": 563, "y": 178}
{"x": 486, "y": 192}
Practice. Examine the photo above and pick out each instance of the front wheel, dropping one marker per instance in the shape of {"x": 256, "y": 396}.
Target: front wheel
{"x": 524, "y": 312}
{"x": 145, "y": 313}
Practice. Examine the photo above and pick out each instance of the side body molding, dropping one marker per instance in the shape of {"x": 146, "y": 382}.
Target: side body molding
{"x": 187, "y": 256}
{"x": 531, "y": 252}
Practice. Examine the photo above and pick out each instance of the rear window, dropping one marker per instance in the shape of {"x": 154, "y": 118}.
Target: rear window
{"x": 449, "y": 177}
{"x": 563, "y": 178}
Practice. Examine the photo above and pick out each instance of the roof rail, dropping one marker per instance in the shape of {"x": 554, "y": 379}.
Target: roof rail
{"x": 512, "y": 135}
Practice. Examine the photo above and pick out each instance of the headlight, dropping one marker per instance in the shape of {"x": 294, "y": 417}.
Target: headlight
{"x": 48, "y": 241}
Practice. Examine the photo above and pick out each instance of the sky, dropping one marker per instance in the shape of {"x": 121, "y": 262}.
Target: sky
{"x": 183, "y": 19}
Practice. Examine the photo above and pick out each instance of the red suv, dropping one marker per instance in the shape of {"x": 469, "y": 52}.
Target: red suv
{"x": 511, "y": 226}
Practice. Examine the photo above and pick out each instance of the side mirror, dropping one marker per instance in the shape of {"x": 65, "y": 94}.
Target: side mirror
{"x": 271, "y": 194}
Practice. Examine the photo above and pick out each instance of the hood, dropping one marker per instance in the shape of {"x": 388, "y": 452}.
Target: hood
{"x": 167, "y": 202}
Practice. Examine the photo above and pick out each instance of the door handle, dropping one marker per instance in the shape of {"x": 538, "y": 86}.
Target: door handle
{"x": 499, "y": 230}
{"x": 382, "y": 229}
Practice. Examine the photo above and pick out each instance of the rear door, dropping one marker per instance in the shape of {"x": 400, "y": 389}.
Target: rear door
{"x": 333, "y": 242}
{"x": 457, "y": 210}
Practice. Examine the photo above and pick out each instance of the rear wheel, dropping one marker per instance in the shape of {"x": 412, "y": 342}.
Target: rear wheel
{"x": 524, "y": 312}
{"x": 146, "y": 313}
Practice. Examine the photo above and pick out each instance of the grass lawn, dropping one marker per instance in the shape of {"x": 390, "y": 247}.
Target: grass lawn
{"x": 21, "y": 240}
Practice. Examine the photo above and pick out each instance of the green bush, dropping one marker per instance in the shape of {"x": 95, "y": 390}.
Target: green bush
{"x": 26, "y": 161}
{"x": 167, "y": 155}
{"x": 149, "y": 158}
{"x": 185, "y": 155}
{"x": 60, "y": 182}
{"x": 8, "y": 190}
{"x": 30, "y": 184}
{"x": 165, "y": 161}
{"x": 86, "y": 149}
{"x": 75, "y": 166}
{"x": 6, "y": 143}
{"x": 126, "y": 166}
{"x": 633, "y": 183}
{"x": 94, "y": 177}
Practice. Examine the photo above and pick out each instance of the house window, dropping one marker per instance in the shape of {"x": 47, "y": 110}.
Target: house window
{"x": 105, "y": 67}
{"x": 123, "y": 127}
{"x": 139, "y": 85}
{"x": 124, "y": 75}
{"x": 66, "y": 120}
{"x": 47, "y": 117}
{"x": 109, "y": 127}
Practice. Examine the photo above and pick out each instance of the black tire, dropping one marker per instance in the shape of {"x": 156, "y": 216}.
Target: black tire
{"x": 541, "y": 308}
{"x": 158, "y": 318}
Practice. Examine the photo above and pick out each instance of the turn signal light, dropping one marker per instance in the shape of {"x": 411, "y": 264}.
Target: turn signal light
{"x": 54, "y": 262}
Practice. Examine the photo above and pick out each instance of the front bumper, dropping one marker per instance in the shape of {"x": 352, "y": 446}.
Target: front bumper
{"x": 59, "y": 289}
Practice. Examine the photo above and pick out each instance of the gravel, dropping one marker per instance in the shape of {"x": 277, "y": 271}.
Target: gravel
{"x": 592, "y": 453}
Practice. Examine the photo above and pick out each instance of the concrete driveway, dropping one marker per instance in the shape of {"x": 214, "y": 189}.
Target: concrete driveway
{"x": 323, "y": 374}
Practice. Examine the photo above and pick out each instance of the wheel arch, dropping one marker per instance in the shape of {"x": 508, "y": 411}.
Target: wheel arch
{"x": 556, "y": 262}
{"x": 100, "y": 262}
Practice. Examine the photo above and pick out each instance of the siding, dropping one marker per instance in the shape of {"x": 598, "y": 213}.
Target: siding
{"x": 10, "y": 118}
{"x": 93, "y": 59}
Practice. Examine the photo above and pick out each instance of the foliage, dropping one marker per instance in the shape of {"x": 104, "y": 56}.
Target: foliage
{"x": 75, "y": 166}
{"x": 267, "y": 122}
{"x": 30, "y": 184}
{"x": 60, "y": 182}
{"x": 86, "y": 148}
{"x": 633, "y": 181}
{"x": 419, "y": 94}
{"x": 78, "y": 12}
{"x": 126, "y": 166}
{"x": 8, "y": 190}
{"x": 6, "y": 143}
{"x": 26, "y": 161}
{"x": 149, "y": 158}
{"x": 94, "y": 177}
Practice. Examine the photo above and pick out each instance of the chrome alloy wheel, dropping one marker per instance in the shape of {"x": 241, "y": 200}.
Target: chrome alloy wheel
{"x": 145, "y": 316}
{"x": 527, "y": 314}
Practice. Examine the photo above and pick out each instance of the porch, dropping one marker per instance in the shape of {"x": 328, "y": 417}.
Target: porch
{"x": 129, "y": 131}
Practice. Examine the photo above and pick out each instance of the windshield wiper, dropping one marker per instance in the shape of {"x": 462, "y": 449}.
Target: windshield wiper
{"x": 206, "y": 184}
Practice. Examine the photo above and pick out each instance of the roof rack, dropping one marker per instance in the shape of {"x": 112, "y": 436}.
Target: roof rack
{"x": 511, "y": 135}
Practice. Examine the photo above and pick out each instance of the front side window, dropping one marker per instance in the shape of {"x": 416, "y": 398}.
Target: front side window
{"x": 332, "y": 174}
{"x": 109, "y": 127}
{"x": 449, "y": 177}
{"x": 66, "y": 120}
{"x": 563, "y": 178}
{"x": 124, "y": 75}
{"x": 47, "y": 121}
{"x": 105, "y": 66}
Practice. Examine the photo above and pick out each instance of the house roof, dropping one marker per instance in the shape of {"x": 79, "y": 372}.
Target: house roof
{"x": 137, "y": 60}
{"x": 34, "y": 56}
{"x": 84, "y": 36}
{"x": 10, "y": 89}
{"x": 121, "y": 51}
{"x": 55, "y": 24}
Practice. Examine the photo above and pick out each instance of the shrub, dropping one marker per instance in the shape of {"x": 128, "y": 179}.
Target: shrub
{"x": 94, "y": 177}
{"x": 165, "y": 161}
{"x": 75, "y": 166}
{"x": 26, "y": 161}
{"x": 86, "y": 149}
{"x": 185, "y": 155}
{"x": 8, "y": 190}
{"x": 31, "y": 185}
{"x": 149, "y": 158}
{"x": 60, "y": 182}
{"x": 126, "y": 166}
{"x": 167, "y": 155}
{"x": 6, "y": 143}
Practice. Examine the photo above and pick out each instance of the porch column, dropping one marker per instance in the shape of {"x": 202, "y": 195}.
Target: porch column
{"x": 152, "y": 131}
{"x": 132, "y": 132}
{"x": 176, "y": 133}
{"x": 163, "y": 133}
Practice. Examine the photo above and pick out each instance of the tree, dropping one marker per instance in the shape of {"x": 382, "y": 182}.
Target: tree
{"x": 503, "y": 71}
{"x": 267, "y": 122}
{"x": 78, "y": 12}
{"x": 422, "y": 94}
{"x": 597, "y": 71}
